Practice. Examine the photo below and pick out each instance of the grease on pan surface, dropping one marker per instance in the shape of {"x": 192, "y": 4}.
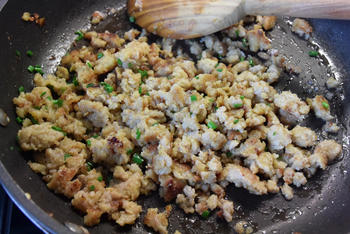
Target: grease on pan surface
{"x": 125, "y": 116}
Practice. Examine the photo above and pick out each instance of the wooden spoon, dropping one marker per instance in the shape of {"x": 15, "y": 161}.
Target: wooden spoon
{"x": 183, "y": 19}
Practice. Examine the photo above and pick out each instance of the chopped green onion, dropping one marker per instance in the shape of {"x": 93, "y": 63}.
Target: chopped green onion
{"x": 211, "y": 99}
{"x": 236, "y": 121}
{"x": 75, "y": 81}
{"x": 191, "y": 113}
{"x": 313, "y": 53}
{"x": 89, "y": 166}
{"x": 90, "y": 85}
{"x": 31, "y": 68}
{"x": 237, "y": 33}
{"x": 89, "y": 64}
{"x": 37, "y": 107}
{"x": 325, "y": 105}
{"x": 132, "y": 19}
{"x": 241, "y": 97}
{"x": 99, "y": 55}
{"x": 120, "y": 63}
{"x": 196, "y": 77}
{"x": 155, "y": 124}
{"x": 216, "y": 65}
{"x": 212, "y": 125}
{"x": 138, "y": 134}
{"x": 169, "y": 77}
{"x": 147, "y": 94}
{"x": 129, "y": 152}
{"x": 58, "y": 102}
{"x": 144, "y": 74}
{"x": 67, "y": 156}
{"x": 274, "y": 133}
{"x": 29, "y": 53}
{"x": 140, "y": 90}
{"x": 88, "y": 143}
{"x": 228, "y": 154}
{"x": 92, "y": 188}
{"x": 42, "y": 94}
{"x": 130, "y": 65}
{"x": 206, "y": 214}
{"x": 100, "y": 178}
{"x": 95, "y": 136}
{"x": 244, "y": 41}
{"x": 21, "y": 89}
{"x": 34, "y": 121}
{"x": 241, "y": 59}
{"x": 193, "y": 98}
{"x": 49, "y": 98}
{"x": 18, "y": 53}
{"x": 19, "y": 120}
{"x": 58, "y": 129}
{"x": 108, "y": 88}
{"x": 80, "y": 35}
{"x": 136, "y": 158}
{"x": 38, "y": 69}
{"x": 251, "y": 62}
{"x": 238, "y": 105}
{"x": 219, "y": 70}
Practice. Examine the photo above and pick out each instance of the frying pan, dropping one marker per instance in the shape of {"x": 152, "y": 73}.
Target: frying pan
{"x": 322, "y": 206}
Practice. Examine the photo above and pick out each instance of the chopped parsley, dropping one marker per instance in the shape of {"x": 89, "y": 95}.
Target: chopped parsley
{"x": 108, "y": 88}
{"x": 75, "y": 81}
{"x": 196, "y": 77}
{"x": 138, "y": 134}
{"x": 237, "y": 33}
{"x": 99, "y": 55}
{"x": 136, "y": 158}
{"x": 89, "y": 64}
{"x": 144, "y": 74}
{"x": 236, "y": 121}
{"x": 212, "y": 125}
{"x": 92, "y": 188}
{"x": 129, "y": 152}
{"x": 88, "y": 143}
{"x": 100, "y": 178}
{"x": 95, "y": 136}
{"x": 325, "y": 105}
{"x": 89, "y": 166}
{"x": 29, "y": 53}
{"x": 313, "y": 53}
{"x": 238, "y": 105}
{"x": 241, "y": 97}
{"x": 42, "y": 94}
{"x": 120, "y": 63}
{"x": 19, "y": 120}
{"x": 241, "y": 59}
{"x": 206, "y": 214}
{"x": 274, "y": 133}
{"x": 34, "y": 121}
{"x": 216, "y": 65}
{"x": 140, "y": 90}
{"x": 219, "y": 70}
{"x": 90, "y": 85}
{"x": 193, "y": 98}
{"x": 67, "y": 156}
{"x": 58, "y": 102}
{"x": 130, "y": 65}
{"x": 21, "y": 89}
{"x": 58, "y": 129}
{"x": 80, "y": 35}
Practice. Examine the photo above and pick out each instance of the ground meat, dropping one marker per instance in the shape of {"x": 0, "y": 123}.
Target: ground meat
{"x": 303, "y": 137}
{"x": 158, "y": 221}
{"x": 302, "y": 28}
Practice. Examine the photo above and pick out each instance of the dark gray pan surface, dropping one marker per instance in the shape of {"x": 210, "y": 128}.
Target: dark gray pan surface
{"x": 321, "y": 207}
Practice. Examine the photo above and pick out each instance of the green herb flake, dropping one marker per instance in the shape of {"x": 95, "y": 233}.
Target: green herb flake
{"x": 90, "y": 85}
{"x": 49, "y": 98}
{"x": 138, "y": 134}
{"x": 196, "y": 77}
{"x": 193, "y": 98}
{"x": 228, "y": 154}
{"x": 67, "y": 156}
{"x": 89, "y": 166}
{"x": 100, "y": 55}
{"x": 251, "y": 62}
{"x": 241, "y": 59}
{"x": 107, "y": 87}
{"x": 100, "y": 178}
{"x": 155, "y": 124}
{"x": 130, "y": 65}
{"x": 95, "y": 136}
{"x": 238, "y": 105}
{"x": 132, "y": 19}
{"x": 58, "y": 129}
{"x": 92, "y": 188}
{"x": 19, "y": 120}
{"x": 211, "y": 99}
{"x": 216, "y": 65}
{"x": 313, "y": 53}
{"x": 206, "y": 214}
{"x": 212, "y": 125}
{"x": 219, "y": 70}
{"x": 88, "y": 143}
{"x": 21, "y": 89}
{"x": 29, "y": 53}
{"x": 147, "y": 94}
{"x": 274, "y": 133}
{"x": 18, "y": 53}
{"x": 31, "y": 68}
{"x": 42, "y": 94}
{"x": 120, "y": 63}
{"x": 220, "y": 57}
{"x": 80, "y": 35}
{"x": 75, "y": 81}
{"x": 244, "y": 42}
{"x": 325, "y": 105}
{"x": 236, "y": 121}
{"x": 34, "y": 121}
{"x": 89, "y": 64}
{"x": 58, "y": 102}
{"x": 169, "y": 77}
{"x": 241, "y": 97}
{"x": 237, "y": 33}
{"x": 129, "y": 152}
{"x": 136, "y": 158}
{"x": 144, "y": 74}
{"x": 37, "y": 107}
{"x": 140, "y": 90}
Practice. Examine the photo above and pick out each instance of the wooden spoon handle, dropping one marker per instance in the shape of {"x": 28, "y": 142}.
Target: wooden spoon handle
{"x": 330, "y": 9}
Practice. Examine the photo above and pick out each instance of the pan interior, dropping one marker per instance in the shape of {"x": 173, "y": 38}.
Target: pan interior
{"x": 324, "y": 200}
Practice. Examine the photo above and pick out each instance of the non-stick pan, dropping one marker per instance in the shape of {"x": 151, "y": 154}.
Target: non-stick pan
{"x": 322, "y": 206}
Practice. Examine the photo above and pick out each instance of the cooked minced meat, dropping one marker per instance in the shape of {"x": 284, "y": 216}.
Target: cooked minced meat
{"x": 138, "y": 116}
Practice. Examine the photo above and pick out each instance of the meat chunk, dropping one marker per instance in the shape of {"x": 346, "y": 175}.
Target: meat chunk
{"x": 257, "y": 40}
{"x": 158, "y": 221}
{"x": 321, "y": 107}
{"x": 302, "y": 28}
{"x": 325, "y": 151}
{"x": 278, "y": 137}
{"x": 95, "y": 111}
{"x": 303, "y": 137}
